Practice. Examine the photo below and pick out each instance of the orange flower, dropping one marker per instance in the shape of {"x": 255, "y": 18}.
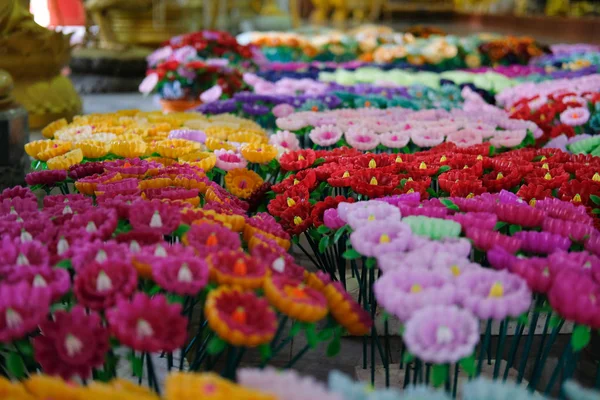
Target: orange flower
{"x": 47, "y": 387}
{"x": 250, "y": 233}
{"x": 155, "y": 183}
{"x": 55, "y": 149}
{"x": 210, "y": 386}
{"x": 235, "y": 222}
{"x": 236, "y": 268}
{"x": 295, "y": 299}
{"x": 201, "y": 159}
{"x": 51, "y": 128}
{"x": 248, "y": 136}
{"x": 259, "y": 152}
{"x": 346, "y": 311}
{"x": 37, "y": 146}
{"x": 66, "y": 160}
{"x": 242, "y": 182}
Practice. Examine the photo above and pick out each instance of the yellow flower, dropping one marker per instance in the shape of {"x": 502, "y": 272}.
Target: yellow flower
{"x": 174, "y": 148}
{"x": 220, "y": 132}
{"x": 13, "y": 390}
{"x": 93, "y": 148}
{"x": 202, "y": 159}
{"x": 128, "y": 149}
{"x": 37, "y": 146}
{"x": 247, "y": 136}
{"x": 259, "y": 152}
{"x": 56, "y": 148}
{"x": 242, "y": 182}
{"x": 295, "y": 300}
{"x": 234, "y": 222}
{"x": 213, "y": 144}
{"x": 155, "y": 183}
{"x": 48, "y": 131}
{"x": 249, "y": 235}
{"x": 45, "y": 387}
{"x": 209, "y": 386}
{"x": 102, "y": 391}
{"x": 66, "y": 160}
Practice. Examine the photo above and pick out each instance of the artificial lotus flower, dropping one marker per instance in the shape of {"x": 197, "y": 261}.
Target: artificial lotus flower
{"x": 375, "y": 212}
{"x": 181, "y": 275}
{"x": 49, "y": 387}
{"x": 259, "y": 153}
{"x": 145, "y": 260}
{"x": 155, "y": 216}
{"x": 485, "y": 239}
{"x": 441, "y": 334}
{"x": 519, "y": 214}
{"x": 542, "y": 242}
{"x": 98, "y": 223}
{"x": 285, "y": 139}
{"x": 148, "y": 324}
{"x": 95, "y": 251}
{"x": 332, "y": 220}
{"x": 493, "y": 294}
{"x": 240, "y": 318}
{"x": 326, "y": 135}
{"x": 361, "y": 138}
{"x": 17, "y": 253}
{"x": 294, "y": 299}
{"x": 55, "y": 281}
{"x": 66, "y": 160}
{"x": 536, "y": 271}
{"x": 48, "y": 177}
{"x": 394, "y": 139}
{"x": 574, "y": 297}
{"x": 242, "y": 182}
{"x": 297, "y": 160}
{"x": 380, "y": 237}
{"x": 209, "y": 239}
{"x": 71, "y": 344}
{"x": 482, "y": 388}
{"x": 123, "y": 204}
{"x": 346, "y": 311}
{"x": 296, "y": 219}
{"x": 99, "y": 285}
{"x": 573, "y": 230}
{"x": 234, "y": 267}
{"x": 22, "y": 308}
{"x": 426, "y": 138}
{"x": 228, "y": 160}
{"x": 483, "y": 220}
{"x": 404, "y": 291}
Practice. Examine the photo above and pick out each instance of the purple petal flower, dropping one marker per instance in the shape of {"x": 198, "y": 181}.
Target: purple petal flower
{"x": 372, "y": 213}
{"x": 332, "y": 220}
{"x": 188, "y": 134}
{"x": 380, "y": 237}
{"x": 542, "y": 242}
{"x": 212, "y": 94}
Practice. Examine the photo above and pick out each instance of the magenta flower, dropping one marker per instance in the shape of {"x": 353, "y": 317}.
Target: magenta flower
{"x": 132, "y": 167}
{"x": 493, "y": 294}
{"x": 519, "y": 214}
{"x": 575, "y": 296}
{"x": 97, "y": 252}
{"x": 148, "y": 324}
{"x": 581, "y": 261}
{"x": 593, "y": 244}
{"x": 381, "y": 237}
{"x": 122, "y": 186}
{"x": 228, "y": 160}
{"x": 573, "y": 230}
{"x": 17, "y": 192}
{"x": 326, "y": 135}
{"x": 80, "y": 171}
{"x": 499, "y": 258}
{"x": 155, "y": 216}
{"x": 332, "y": 220}
{"x": 568, "y": 211}
{"x": 536, "y": 272}
{"x": 17, "y": 206}
{"x": 481, "y": 220}
{"x": 98, "y": 223}
{"x": 279, "y": 261}
{"x": 441, "y": 334}
{"x": 485, "y": 240}
{"x": 64, "y": 199}
{"x": 55, "y": 281}
{"x": 403, "y": 291}
{"x": 121, "y": 203}
{"x": 22, "y": 308}
{"x": 181, "y": 275}
{"x": 18, "y": 254}
{"x": 71, "y": 344}
{"x": 575, "y": 116}
{"x": 47, "y": 177}
{"x": 542, "y": 242}
{"x": 211, "y": 238}
{"x": 99, "y": 285}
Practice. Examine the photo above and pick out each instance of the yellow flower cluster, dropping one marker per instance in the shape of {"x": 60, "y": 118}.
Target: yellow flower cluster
{"x": 178, "y": 386}
{"x": 132, "y": 133}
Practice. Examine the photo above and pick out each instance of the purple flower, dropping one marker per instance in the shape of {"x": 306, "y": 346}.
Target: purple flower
{"x": 255, "y": 109}
{"x": 188, "y": 134}
{"x": 441, "y": 334}
{"x": 212, "y": 94}
{"x": 493, "y": 294}
{"x": 184, "y": 54}
{"x": 405, "y": 290}
{"x": 380, "y": 237}
{"x": 484, "y": 220}
{"x": 48, "y": 177}
{"x": 499, "y": 258}
{"x": 148, "y": 84}
{"x": 374, "y": 212}
{"x": 542, "y": 242}
{"x": 332, "y": 220}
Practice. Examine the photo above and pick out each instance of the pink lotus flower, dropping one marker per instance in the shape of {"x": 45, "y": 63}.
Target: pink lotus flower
{"x": 22, "y": 308}
{"x": 292, "y": 122}
{"x": 542, "y": 242}
{"x": 282, "y": 110}
{"x": 124, "y": 186}
{"x": 332, "y": 220}
{"x": 465, "y": 138}
{"x": 361, "y": 138}
{"x": 394, "y": 140}
{"x": 17, "y": 206}
{"x": 209, "y": 238}
{"x": 181, "y": 275}
{"x": 536, "y": 271}
{"x": 98, "y": 223}
{"x": 212, "y": 94}
{"x": 285, "y": 139}
{"x": 572, "y": 230}
{"x": 71, "y": 344}
{"x": 121, "y": 203}
{"x": 508, "y": 138}
{"x": 575, "y": 116}
{"x": 155, "y": 216}
{"x": 55, "y": 281}
{"x": 485, "y": 240}
{"x": 17, "y": 192}
{"x": 575, "y": 296}
{"x": 148, "y": 324}
{"x": 326, "y": 135}
{"x": 18, "y": 254}
{"x": 47, "y": 177}
{"x": 426, "y": 138}
{"x": 482, "y": 220}
{"x": 99, "y": 285}
{"x": 97, "y": 252}
{"x": 228, "y": 160}
{"x": 69, "y": 199}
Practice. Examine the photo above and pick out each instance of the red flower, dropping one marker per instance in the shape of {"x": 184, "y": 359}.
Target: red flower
{"x": 562, "y": 130}
{"x": 324, "y": 171}
{"x": 329, "y": 202}
{"x": 579, "y": 192}
{"x": 448, "y": 179}
{"x": 71, "y": 344}
{"x": 306, "y": 179}
{"x": 195, "y": 65}
{"x": 297, "y": 160}
{"x": 549, "y": 178}
{"x": 287, "y": 199}
{"x": 498, "y": 180}
{"x": 532, "y": 192}
{"x": 374, "y": 183}
{"x": 297, "y": 219}
{"x": 342, "y": 177}
{"x": 467, "y": 189}
{"x": 171, "y": 65}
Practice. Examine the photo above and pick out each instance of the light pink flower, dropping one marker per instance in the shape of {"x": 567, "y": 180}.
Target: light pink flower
{"x": 290, "y": 123}
{"x": 426, "y": 138}
{"x": 508, "y": 138}
{"x": 361, "y": 138}
{"x": 575, "y": 116}
{"x": 184, "y": 54}
{"x": 228, "y": 160}
{"x": 394, "y": 140}
{"x": 326, "y": 135}
{"x": 212, "y": 94}
{"x": 465, "y": 138}
{"x": 149, "y": 83}
{"x": 285, "y": 139}
{"x": 282, "y": 110}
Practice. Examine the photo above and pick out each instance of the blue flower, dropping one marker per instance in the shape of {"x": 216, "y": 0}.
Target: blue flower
{"x": 486, "y": 389}
{"x": 575, "y": 391}
{"x": 172, "y": 90}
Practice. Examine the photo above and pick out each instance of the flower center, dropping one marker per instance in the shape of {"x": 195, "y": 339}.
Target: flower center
{"x": 13, "y": 318}
{"x": 596, "y": 177}
{"x": 548, "y": 177}
{"x": 443, "y": 335}
{"x": 101, "y": 256}
{"x": 73, "y": 345}
{"x": 26, "y": 236}
{"x": 239, "y": 315}
{"x": 497, "y": 290}
{"x": 422, "y": 165}
{"x": 290, "y": 202}
{"x": 67, "y": 210}
{"x": 385, "y": 238}
{"x": 398, "y": 159}
{"x": 242, "y": 184}
{"x": 278, "y": 265}
{"x": 212, "y": 240}
{"x": 156, "y": 220}
{"x": 411, "y": 190}
{"x": 297, "y": 220}
{"x": 371, "y": 218}
{"x": 301, "y": 157}
{"x": 443, "y": 159}
{"x": 499, "y": 176}
{"x": 416, "y": 288}
{"x": 546, "y": 272}
{"x": 532, "y": 202}
{"x": 13, "y": 211}
{"x": 62, "y": 246}
{"x": 346, "y": 174}
{"x": 143, "y": 329}
{"x": 546, "y": 166}
{"x": 134, "y": 247}
{"x": 480, "y": 157}
{"x": 373, "y": 181}
{"x": 296, "y": 181}
{"x": 22, "y": 259}
{"x": 240, "y": 268}
{"x": 91, "y": 227}
{"x": 455, "y": 270}
{"x": 470, "y": 195}
{"x": 103, "y": 282}
{"x": 327, "y": 135}
{"x": 372, "y": 163}
{"x": 160, "y": 251}
{"x": 577, "y": 198}
{"x": 39, "y": 281}
{"x": 185, "y": 274}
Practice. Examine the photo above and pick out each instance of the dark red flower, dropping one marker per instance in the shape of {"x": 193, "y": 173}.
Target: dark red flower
{"x": 498, "y": 180}
{"x": 532, "y": 192}
{"x": 562, "y": 130}
{"x": 297, "y": 219}
{"x": 373, "y": 183}
{"x": 289, "y": 198}
{"x": 306, "y": 178}
{"x": 297, "y": 160}
{"x": 579, "y": 192}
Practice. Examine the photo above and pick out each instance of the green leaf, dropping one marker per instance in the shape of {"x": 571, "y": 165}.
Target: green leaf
{"x": 323, "y": 244}
{"x": 322, "y": 229}
{"x": 449, "y": 204}
{"x": 407, "y": 357}
{"x": 64, "y": 264}
{"x": 443, "y": 169}
{"x": 216, "y": 345}
{"x": 311, "y": 335}
{"x": 580, "y": 337}
{"x": 596, "y": 211}
{"x": 318, "y": 161}
{"x": 351, "y": 254}
{"x": 512, "y": 229}
{"x": 371, "y": 262}
{"x": 523, "y": 318}
{"x": 181, "y": 230}
{"x": 333, "y": 348}
{"x": 173, "y": 298}
{"x": 554, "y": 321}
{"x": 137, "y": 366}
{"x": 265, "y": 352}
{"x": 25, "y": 347}
{"x": 123, "y": 227}
{"x": 154, "y": 290}
{"x": 296, "y": 328}
{"x": 325, "y": 334}
{"x": 468, "y": 365}
{"x": 499, "y": 225}
{"x": 338, "y": 234}
{"x": 401, "y": 330}
{"x": 15, "y": 365}
{"x": 439, "y": 374}
{"x": 595, "y": 199}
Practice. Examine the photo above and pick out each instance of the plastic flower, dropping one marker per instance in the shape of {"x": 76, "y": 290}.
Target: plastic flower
{"x": 99, "y": 285}
{"x": 22, "y": 308}
{"x": 434, "y": 228}
{"x": 519, "y": 214}
{"x": 181, "y": 275}
{"x": 242, "y": 182}
{"x": 465, "y": 138}
{"x": 441, "y": 334}
{"x": 148, "y": 324}
{"x": 286, "y": 385}
{"x": 373, "y": 212}
{"x": 361, "y": 138}
{"x": 486, "y": 240}
{"x": 486, "y": 389}
{"x": 394, "y": 140}
{"x": 347, "y": 388}
{"x": 403, "y": 291}
{"x": 98, "y": 223}
{"x": 374, "y": 183}
{"x": 71, "y": 344}
{"x": 542, "y": 242}
{"x": 536, "y": 271}
{"x": 48, "y": 177}
{"x": 575, "y": 116}
{"x": 155, "y": 216}
{"x": 326, "y": 135}
{"x": 285, "y": 139}
{"x": 428, "y": 138}
{"x": 65, "y": 161}
{"x": 574, "y": 391}
{"x": 493, "y": 294}
{"x": 573, "y": 230}
{"x": 144, "y": 260}
{"x": 48, "y": 387}
{"x": 183, "y": 386}
{"x": 575, "y": 297}
{"x": 294, "y": 299}
{"x": 228, "y": 160}
{"x": 346, "y": 311}
{"x": 297, "y": 160}
{"x": 423, "y": 393}
{"x": 240, "y": 318}
{"x": 234, "y": 267}
{"x": 55, "y": 281}
{"x": 211, "y": 238}
{"x": 380, "y": 237}
{"x": 332, "y": 220}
